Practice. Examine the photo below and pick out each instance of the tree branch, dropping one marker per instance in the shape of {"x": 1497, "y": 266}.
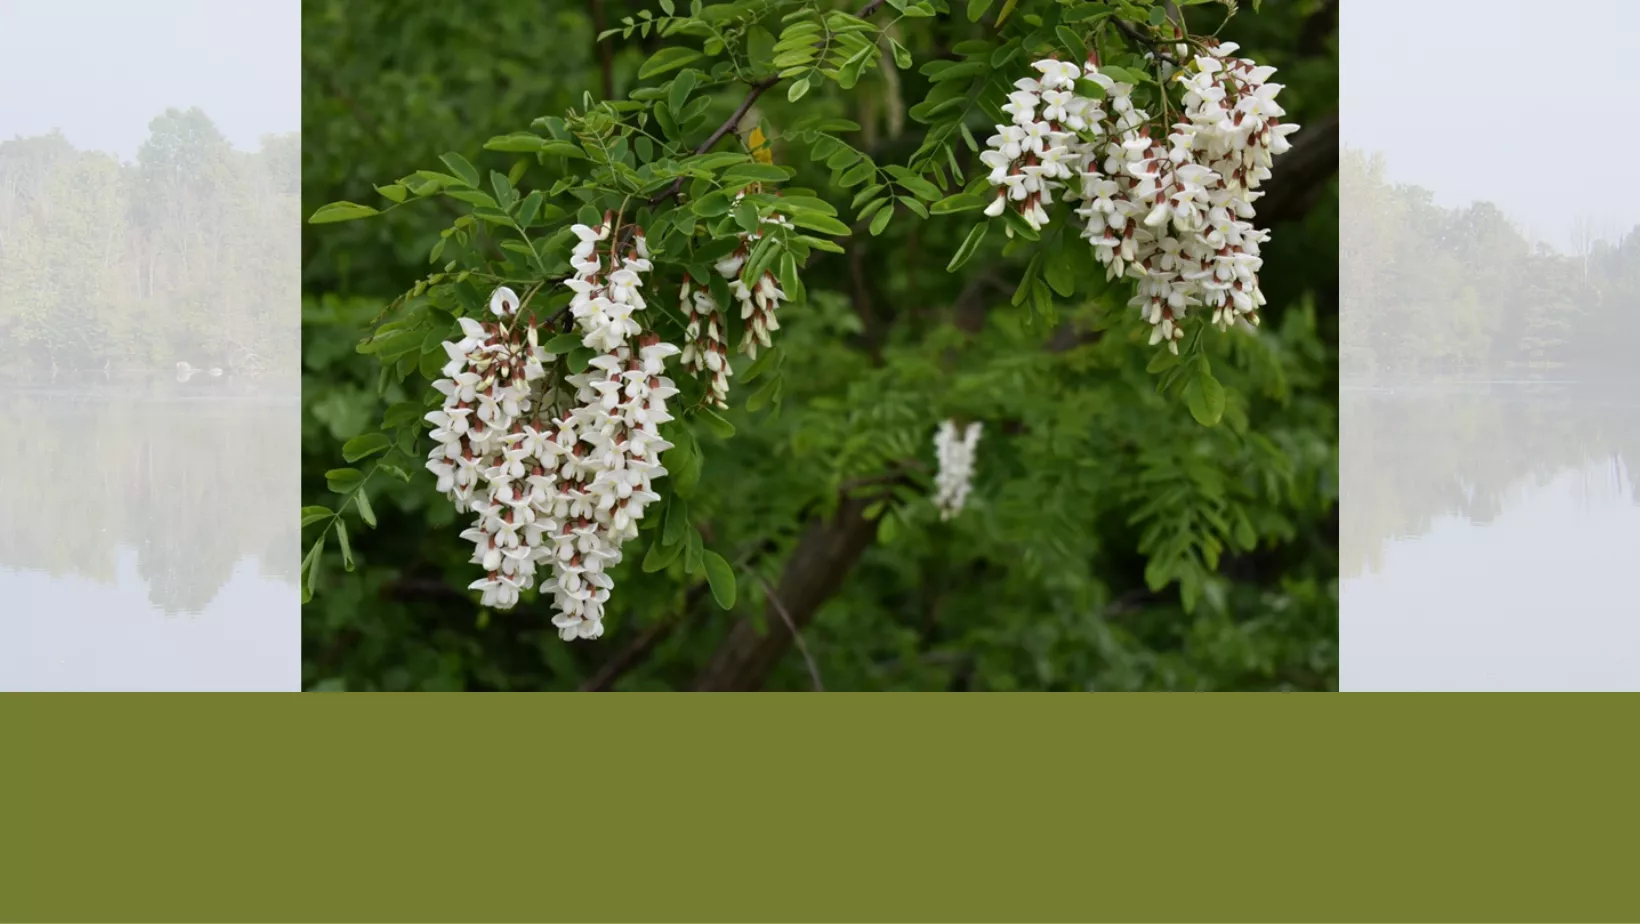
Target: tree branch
{"x": 733, "y": 121}
{"x": 823, "y": 558}
{"x": 1139, "y": 38}
{"x": 638, "y": 650}
{"x": 816, "y": 569}
{"x": 716, "y": 136}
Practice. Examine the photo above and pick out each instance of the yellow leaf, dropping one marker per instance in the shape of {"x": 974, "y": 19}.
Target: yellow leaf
{"x": 758, "y": 144}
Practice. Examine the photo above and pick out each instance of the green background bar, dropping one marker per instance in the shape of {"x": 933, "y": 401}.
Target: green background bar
{"x": 844, "y": 808}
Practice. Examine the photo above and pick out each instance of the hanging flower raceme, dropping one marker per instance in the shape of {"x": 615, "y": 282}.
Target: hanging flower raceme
{"x": 759, "y": 299}
{"x": 1168, "y": 206}
{"x": 955, "y": 474}
{"x": 605, "y": 451}
{"x": 489, "y": 393}
{"x": 705, "y": 351}
{"x": 1236, "y": 130}
{"x": 559, "y": 477}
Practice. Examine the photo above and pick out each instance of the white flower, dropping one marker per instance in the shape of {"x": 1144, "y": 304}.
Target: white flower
{"x": 1057, "y": 75}
{"x": 1055, "y": 104}
{"x": 590, "y": 235}
{"x": 503, "y": 302}
{"x": 954, "y": 477}
{"x": 704, "y": 348}
{"x": 1021, "y": 106}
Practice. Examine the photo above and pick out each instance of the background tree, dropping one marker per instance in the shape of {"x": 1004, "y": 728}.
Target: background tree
{"x": 142, "y": 265}
{"x": 115, "y": 272}
{"x": 1463, "y": 290}
{"x": 1112, "y": 541}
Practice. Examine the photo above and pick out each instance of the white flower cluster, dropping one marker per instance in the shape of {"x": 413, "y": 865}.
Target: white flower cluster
{"x": 568, "y": 491}
{"x": 1033, "y": 156}
{"x": 759, "y": 300}
{"x": 705, "y": 351}
{"x": 1175, "y": 214}
{"x": 480, "y": 454}
{"x": 956, "y": 466}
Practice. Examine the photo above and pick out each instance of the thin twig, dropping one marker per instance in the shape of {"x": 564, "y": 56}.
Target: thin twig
{"x": 733, "y": 121}
{"x": 814, "y": 671}
{"x": 900, "y": 473}
{"x": 724, "y": 129}
{"x": 1135, "y": 35}
{"x": 639, "y": 649}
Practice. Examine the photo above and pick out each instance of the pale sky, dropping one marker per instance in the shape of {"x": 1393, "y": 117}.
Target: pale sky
{"x": 100, "y": 70}
{"x": 1495, "y": 101}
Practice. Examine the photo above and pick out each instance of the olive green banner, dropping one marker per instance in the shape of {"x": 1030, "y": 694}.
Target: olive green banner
{"x": 517, "y": 808}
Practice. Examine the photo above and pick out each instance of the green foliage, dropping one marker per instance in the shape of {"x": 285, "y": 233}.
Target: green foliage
{"x": 1134, "y": 524}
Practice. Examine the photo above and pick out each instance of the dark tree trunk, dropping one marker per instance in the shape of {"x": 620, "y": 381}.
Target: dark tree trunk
{"x": 816, "y": 569}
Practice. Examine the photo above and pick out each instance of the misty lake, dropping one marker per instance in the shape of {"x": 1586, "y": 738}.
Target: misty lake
{"x": 1490, "y": 537}
{"x": 148, "y": 537}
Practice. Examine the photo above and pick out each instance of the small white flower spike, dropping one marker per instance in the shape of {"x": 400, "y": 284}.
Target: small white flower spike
{"x": 954, "y": 478}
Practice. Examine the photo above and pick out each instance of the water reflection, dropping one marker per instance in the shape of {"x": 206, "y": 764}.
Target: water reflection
{"x": 1489, "y": 534}
{"x": 147, "y": 540}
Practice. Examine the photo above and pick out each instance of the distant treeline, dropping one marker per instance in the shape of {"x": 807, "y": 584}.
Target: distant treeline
{"x": 1431, "y": 289}
{"x": 189, "y": 254}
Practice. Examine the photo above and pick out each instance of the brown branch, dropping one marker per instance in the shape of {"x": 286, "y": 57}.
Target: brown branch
{"x": 1139, "y": 38}
{"x": 643, "y": 645}
{"x": 890, "y": 477}
{"x": 716, "y": 136}
{"x": 968, "y": 312}
{"x": 816, "y": 569}
{"x": 638, "y": 650}
{"x": 756, "y": 90}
